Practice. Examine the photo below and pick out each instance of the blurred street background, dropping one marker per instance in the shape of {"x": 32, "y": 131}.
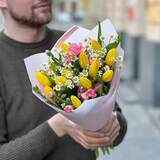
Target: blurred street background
{"x": 138, "y": 21}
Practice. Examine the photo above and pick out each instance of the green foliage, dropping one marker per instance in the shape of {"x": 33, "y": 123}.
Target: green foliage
{"x": 114, "y": 44}
{"x": 99, "y": 33}
{"x": 56, "y": 61}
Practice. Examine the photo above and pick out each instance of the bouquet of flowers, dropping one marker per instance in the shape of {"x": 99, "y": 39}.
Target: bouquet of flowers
{"x": 79, "y": 77}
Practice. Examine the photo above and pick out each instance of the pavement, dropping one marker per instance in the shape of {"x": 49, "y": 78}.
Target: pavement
{"x": 142, "y": 141}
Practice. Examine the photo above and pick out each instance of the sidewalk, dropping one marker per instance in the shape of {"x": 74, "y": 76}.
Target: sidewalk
{"x": 142, "y": 141}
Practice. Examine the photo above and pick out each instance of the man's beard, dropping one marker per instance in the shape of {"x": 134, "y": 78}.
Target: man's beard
{"x": 33, "y": 20}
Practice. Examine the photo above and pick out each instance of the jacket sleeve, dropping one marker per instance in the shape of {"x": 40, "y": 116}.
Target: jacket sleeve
{"x": 123, "y": 125}
{"x": 34, "y": 145}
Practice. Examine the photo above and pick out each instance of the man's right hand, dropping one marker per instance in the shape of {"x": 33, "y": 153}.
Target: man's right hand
{"x": 88, "y": 139}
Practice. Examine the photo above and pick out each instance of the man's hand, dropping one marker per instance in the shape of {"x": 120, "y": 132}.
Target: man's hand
{"x": 88, "y": 139}
{"x": 111, "y": 130}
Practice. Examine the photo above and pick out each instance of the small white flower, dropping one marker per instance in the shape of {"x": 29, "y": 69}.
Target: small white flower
{"x": 71, "y": 86}
{"x": 63, "y": 105}
{"x": 68, "y": 82}
{"x": 102, "y": 38}
{"x": 106, "y": 68}
{"x": 44, "y": 67}
{"x": 69, "y": 75}
{"x": 76, "y": 80}
{"x": 85, "y": 72}
{"x": 104, "y": 50}
{"x": 57, "y": 87}
{"x": 82, "y": 75}
{"x": 69, "y": 65}
{"x": 51, "y": 73}
{"x": 100, "y": 73}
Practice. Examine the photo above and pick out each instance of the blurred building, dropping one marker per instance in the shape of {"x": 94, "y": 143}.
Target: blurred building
{"x": 139, "y": 23}
{"x": 68, "y": 11}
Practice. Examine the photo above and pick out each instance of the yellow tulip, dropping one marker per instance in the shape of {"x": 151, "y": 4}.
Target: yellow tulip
{"x": 60, "y": 80}
{"x": 95, "y": 45}
{"x": 42, "y": 79}
{"x": 85, "y": 83}
{"x": 107, "y": 76}
{"x": 48, "y": 91}
{"x": 94, "y": 67}
{"x": 83, "y": 60}
{"x": 64, "y": 47}
{"x": 111, "y": 56}
{"x": 75, "y": 101}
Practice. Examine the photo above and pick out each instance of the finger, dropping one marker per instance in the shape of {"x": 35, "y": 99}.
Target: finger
{"x": 97, "y": 141}
{"x": 90, "y": 133}
{"x": 93, "y": 143}
{"x": 109, "y": 124}
{"x": 87, "y": 145}
{"x": 115, "y": 126}
{"x": 84, "y": 144}
{"x": 114, "y": 137}
{"x": 93, "y": 134}
{"x": 78, "y": 138}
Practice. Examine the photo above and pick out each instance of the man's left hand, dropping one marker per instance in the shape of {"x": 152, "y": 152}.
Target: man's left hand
{"x": 111, "y": 130}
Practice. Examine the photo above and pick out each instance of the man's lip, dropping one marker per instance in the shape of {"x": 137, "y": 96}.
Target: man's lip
{"x": 43, "y": 5}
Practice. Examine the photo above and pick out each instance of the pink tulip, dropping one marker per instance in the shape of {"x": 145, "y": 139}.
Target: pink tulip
{"x": 80, "y": 92}
{"x": 91, "y": 60}
{"x": 84, "y": 96}
{"x": 97, "y": 86}
{"x": 68, "y": 108}
{"x": 50, "y": 95}
{"x": 75, "y": 49}
{"x": 68, "y": 58}
{"x": 90, "y": 93}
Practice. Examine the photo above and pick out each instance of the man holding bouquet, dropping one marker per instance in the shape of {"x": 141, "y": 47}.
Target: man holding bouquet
{"x": 28, "y": 129}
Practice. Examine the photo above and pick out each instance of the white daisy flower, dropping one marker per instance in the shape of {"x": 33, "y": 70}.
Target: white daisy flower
{"x": 106, "y": 68}
{"x": 69, "y": 76}
{"x": 57, "y": 87}
{"x": 68, "y": 82}
{"x": 76, "y": 80}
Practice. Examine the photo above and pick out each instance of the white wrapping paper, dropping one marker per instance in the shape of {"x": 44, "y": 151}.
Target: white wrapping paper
{"x": 92, "y": 114}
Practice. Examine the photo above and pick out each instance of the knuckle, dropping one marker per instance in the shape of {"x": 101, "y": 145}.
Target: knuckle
{"x": 107, "y": 139}
{"x": 86, "y": 147}
{"x": 87, "y": 140}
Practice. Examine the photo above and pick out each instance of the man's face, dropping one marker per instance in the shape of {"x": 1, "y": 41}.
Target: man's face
{"x": 34, "y": 13}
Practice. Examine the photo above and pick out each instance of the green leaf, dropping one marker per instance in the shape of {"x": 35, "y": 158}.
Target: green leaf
{"x": 114, "y": 44}
{"x": 106, "y": 88}
{"x": 76, "y": 64}
{"x": 107, "y": 150}
{"x": 99, "y": 33}
{"x": 97, "y": 153}
{"x": 36, "y": 89}
{"x": 103, "y": 150}
{"x": 56, "y": 61}
{"x": 100, "y": 91}
{"x": 53, "y": 66}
